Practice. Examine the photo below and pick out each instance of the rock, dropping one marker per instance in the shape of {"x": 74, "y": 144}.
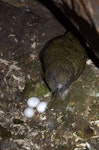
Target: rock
{"x": 84, "y": 15}
{"x": 63, "y": 60}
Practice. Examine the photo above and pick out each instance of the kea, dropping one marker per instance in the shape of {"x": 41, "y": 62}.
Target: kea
{"x": 63, "y": 60}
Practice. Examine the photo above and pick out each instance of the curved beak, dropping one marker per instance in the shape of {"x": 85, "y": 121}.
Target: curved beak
{"x": 57, "y": 91}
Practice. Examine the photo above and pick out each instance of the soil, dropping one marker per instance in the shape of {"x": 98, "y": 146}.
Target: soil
{"x": 72, "y": 124}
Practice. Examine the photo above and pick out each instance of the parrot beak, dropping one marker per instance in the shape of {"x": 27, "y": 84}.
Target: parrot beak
{"x": 60, "y": 92}
{"x": 57, "y": 91}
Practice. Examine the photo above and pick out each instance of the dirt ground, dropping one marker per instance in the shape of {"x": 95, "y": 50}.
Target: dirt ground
{"x": 72, "y": 124}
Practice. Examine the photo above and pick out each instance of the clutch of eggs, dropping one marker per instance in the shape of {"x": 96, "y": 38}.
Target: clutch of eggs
{"x": 34, "y": 102}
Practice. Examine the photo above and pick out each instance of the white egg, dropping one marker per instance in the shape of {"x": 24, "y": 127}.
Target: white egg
{"x": 41, "y": 107}
{"x": 33, "y": 101}
{"x": 29, "y": 112}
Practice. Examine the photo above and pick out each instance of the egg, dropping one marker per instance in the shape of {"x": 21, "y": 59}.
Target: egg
{"x": 29, "y": 112}
{"x": 41, "y": 107}
{"x": 33, "y": 102}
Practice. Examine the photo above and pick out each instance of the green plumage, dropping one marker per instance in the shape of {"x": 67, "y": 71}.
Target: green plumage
{"x": 63, "y": 61}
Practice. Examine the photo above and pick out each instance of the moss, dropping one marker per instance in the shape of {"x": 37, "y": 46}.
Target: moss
{"x": 35, "y": 89}
{"x": 41, "y": 90}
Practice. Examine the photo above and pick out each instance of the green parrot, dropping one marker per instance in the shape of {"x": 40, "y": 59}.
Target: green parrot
{"x": 63, "y": 60}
